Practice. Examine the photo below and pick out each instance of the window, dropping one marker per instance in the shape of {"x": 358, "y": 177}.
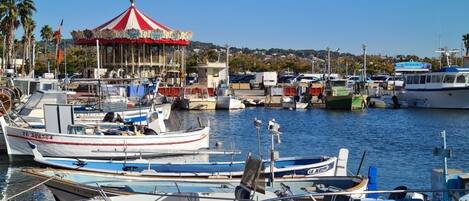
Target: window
{"x": 449, "y": 79}
{"x": 461, "y": 79}
{"x": 422, "y": 79}
{"x": 415, "y": 79}
{"x": 429, "y": 79}
{"x": 436, "y": 78}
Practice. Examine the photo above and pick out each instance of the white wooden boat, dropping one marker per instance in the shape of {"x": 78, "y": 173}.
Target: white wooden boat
{"x": 229, "y": 103}
{"x": 290, "y": 103}
{"x": 97, "y": 142}
{"x": 32, "y": 111}
{"x": 197, "y": 99}
{"x": 298, "y": 166}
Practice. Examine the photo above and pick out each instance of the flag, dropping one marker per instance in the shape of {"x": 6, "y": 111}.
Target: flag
{"x": 58, "y": 33}
{"x": 60, "y": 56}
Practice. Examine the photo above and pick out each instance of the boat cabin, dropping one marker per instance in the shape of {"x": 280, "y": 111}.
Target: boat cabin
{"x": 450, "y": 77}
{"x": 210, "y": 74}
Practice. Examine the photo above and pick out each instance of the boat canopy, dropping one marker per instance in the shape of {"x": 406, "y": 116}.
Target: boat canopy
{"x": 454, "y": 69}
{"x": 412, "y": 66}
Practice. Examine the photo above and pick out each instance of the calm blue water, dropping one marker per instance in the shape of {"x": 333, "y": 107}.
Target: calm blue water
{"x": 398, "y": 142}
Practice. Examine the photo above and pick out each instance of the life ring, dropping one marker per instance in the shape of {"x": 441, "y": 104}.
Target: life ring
{"x": 6, "y": 103}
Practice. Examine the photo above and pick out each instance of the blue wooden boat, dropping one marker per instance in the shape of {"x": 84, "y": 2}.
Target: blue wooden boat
{"x": 306, "y": 166}
{"x": 80, "y": 185}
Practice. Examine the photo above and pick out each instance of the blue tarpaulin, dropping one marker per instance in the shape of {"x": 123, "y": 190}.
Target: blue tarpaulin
{"x": 136, "y": 91}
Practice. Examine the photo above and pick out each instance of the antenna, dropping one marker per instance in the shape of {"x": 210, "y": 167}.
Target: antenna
{"x": 448, "y": 53}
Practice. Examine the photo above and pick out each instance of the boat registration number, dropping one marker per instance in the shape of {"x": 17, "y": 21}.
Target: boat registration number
{"x": 321, "y": 169}
{"x": 37, "y": 136}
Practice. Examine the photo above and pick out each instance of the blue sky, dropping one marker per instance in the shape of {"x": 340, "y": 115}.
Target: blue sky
{"x": 388, "y": 27}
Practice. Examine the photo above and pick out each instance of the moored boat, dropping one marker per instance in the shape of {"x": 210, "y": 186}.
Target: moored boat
{"x": 292, "y": 103}
{"x": 78, "y": 185}
{"x": 99, "y": 142}
{"x": 447, "y": 88}
{"x": 305, "y": 166}
{"x": 229, "y": 103}
{"x": 194, "y": 98}
{"x": 339, "y": 97}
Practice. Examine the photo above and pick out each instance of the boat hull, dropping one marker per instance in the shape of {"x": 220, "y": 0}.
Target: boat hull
{"x": 199, "y": 104}
{"x": 449, "y": 98}
{"x": 82, "y": 184}
{"x": 229, "y": 103}
{"x": 308, "y": 167}
{"x": 101, "y": 146}
{"x": 351, "y": 102}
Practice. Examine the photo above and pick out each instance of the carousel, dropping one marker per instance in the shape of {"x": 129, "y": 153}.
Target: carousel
{"x": 135, "y": 45}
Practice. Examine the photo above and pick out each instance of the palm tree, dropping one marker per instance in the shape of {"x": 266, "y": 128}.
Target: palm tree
{"x": 26, "y": 10}
{"x": 46, "y": 35}
{"x": 10, "y": 13}
{"x": 465, "y": 38}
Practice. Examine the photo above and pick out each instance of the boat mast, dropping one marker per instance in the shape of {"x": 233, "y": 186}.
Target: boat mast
{"x": 99, "y": 74}
{"x": 364, "y": 62}
{"x": 274, "y": 129}
{"x": 227, "y": 65}
{"x": 328, "y": 63}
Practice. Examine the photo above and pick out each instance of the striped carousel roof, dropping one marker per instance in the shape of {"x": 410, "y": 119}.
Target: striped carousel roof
{"x": 132, "y": 18}
{"x": 132, "y": 26}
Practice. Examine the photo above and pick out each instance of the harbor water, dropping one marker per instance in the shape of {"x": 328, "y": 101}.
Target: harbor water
{"x": 398, "y": 142}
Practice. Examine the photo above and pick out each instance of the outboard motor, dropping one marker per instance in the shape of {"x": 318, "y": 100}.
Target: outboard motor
{"x": 149, "y": 131}
{"x": 398, "y": 196}
{"x": 395, "y": 102}
{"x": 109, "y": 117}
{"x": 242, "y": 193}
{"x": 113, "y": 117}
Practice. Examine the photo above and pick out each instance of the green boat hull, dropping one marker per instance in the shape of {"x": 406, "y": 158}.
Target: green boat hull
{"x": 351, "y": 102}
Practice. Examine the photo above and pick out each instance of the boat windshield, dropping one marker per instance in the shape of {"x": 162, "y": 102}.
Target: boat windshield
{"x": 38, "y": 99}
{"x": 339, "y": 83}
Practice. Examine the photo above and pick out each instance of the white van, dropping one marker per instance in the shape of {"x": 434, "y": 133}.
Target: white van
{"x": 264, "y": 79}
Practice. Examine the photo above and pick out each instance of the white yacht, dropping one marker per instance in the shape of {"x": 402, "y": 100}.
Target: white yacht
{"x": 447, "y": 88}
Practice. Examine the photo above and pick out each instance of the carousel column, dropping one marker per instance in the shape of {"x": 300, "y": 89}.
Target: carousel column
{"x": 183, "y": 66}
{"x": 103, "y": 56}
{"x": 139, "y": 47}
{"x": 114, "y": 46}
{"x": 123, "y": 64}
{"x": 145, "y": 73}
{"x": 164, "y": 58}
{"x": 151, "y": 60}
{"x": 132, "y": 58}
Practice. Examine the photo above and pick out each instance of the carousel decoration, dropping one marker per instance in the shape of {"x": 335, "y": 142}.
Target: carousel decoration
{"x": 134, "y": 44}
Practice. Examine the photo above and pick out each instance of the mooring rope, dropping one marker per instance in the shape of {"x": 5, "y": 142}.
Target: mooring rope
{"x": 29, "y": 189}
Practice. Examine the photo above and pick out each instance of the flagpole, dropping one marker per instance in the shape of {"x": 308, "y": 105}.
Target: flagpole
{"x": 56, "y": 71}
{"x": 65, "y": 59}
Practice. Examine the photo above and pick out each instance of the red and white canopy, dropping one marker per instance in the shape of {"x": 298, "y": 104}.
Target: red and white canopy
{"x": 132, "y": 18}
{"x": 132, "y": 26}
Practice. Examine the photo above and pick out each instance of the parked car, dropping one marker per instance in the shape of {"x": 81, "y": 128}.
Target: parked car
{"x": 380, "y": 79}
{"x": 353, "y": 79}
{"x": 307, "y": 79}
{"x": 287, "y": 79}
{"x": 394, "y": 82}
{"x": 190, "y": 80}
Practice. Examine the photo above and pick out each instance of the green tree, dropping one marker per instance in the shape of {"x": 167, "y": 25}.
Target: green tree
{"x": 46, "y": 35}
{"x": 28, "y": 27}
{"x": 465, "y": 38}
{"x": 11, "y": 14}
